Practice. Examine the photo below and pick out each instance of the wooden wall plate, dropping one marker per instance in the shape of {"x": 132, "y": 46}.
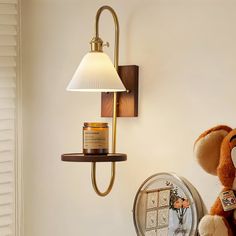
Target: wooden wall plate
{"x": 127, "y": 102}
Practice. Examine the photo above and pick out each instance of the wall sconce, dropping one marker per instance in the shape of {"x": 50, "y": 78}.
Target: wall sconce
{"x": 119, "y": 87}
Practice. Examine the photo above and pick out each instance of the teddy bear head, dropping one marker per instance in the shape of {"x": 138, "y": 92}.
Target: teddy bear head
{"x": 215, "y": 151}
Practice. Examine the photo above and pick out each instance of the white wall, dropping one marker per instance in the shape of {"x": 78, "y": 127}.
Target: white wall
{"x": 186, "y": 52}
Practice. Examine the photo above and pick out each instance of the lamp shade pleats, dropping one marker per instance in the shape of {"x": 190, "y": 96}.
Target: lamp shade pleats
{"x": 96, "y": 73}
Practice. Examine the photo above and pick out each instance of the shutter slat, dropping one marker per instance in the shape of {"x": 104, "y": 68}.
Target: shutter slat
{"x": 7, "y": 40}
{"x": 6, "y": 103}
{"x": 7, "y": 82}
{"x": 9, "y": 1}
{"x": 8, "y": 30}
{"x": 8, "y": 75}
{"x": 6, "y": 199}
{"x": 2, "y": 139}
{"x": 5, "y": 221}
{"x": 6, "y": 156}
{"x": 6, "y": 178}
{"x": 5, "y": 188}
{"x": 5, "y": 167}
{"x": 6, "y": 231}
{"x": 8, "y": 19}
{"x": 6, "y": 210}
{"x": 9, "y": 9}
{"x": 6, "y": 146}
{"x": 6, "y": 135}
{"x": 7, "y": 93}
{"x": 6, "y": 172}
{"x": 7, "y": 51}
{"x": 6, "y": 125}
{"x": 7, "y": 114}
{"x": 7, "y": 62}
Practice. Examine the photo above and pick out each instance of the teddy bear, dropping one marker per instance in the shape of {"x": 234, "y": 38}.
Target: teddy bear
{"x": 215, "y": 151}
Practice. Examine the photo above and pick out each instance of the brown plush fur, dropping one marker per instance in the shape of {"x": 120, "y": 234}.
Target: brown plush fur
{"x": 225, "y": 168}
{"x": 217, "y": 209}
{"x": 207, "y": 148}
{"x": 219, "y": 127}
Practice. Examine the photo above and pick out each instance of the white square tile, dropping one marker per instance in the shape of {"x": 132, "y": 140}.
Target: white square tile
{"x": 162, "y": 232}
{"x": 150, "y": 233}
{"x": 164, "y": 198}
{"x": 151, "y": 219}
{"x": 151, "y": 200}
{"x": 163, "y": 217}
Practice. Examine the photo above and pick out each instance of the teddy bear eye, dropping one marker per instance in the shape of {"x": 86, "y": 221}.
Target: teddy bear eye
{"x": 232, "y": 142}
{"x": 232, "y": 138}
{"x": 233, "y": 156}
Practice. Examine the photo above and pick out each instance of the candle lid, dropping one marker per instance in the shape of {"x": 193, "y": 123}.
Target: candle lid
{"x": 96, "y": 124}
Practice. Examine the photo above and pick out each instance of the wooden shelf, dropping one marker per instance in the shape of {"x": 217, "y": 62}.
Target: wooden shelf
{"x": 80, "y": 157}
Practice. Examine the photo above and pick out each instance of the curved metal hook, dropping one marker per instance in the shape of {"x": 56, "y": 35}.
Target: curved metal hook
{"x": 93, "y": 176}
{"x": 117, "y": 30}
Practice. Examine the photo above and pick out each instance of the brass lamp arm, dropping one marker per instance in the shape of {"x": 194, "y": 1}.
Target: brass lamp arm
{"x": 117, "y": 30}
{"x": 96, "y": 45}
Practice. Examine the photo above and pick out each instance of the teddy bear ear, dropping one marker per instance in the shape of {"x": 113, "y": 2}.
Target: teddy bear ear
{"x": 207, "y": 148}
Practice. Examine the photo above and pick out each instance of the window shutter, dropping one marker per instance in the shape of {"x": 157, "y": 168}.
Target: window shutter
{"x": 8, "y": 75}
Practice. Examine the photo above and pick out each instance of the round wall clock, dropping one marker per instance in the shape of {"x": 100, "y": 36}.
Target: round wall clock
{"x": 167, "y": 205}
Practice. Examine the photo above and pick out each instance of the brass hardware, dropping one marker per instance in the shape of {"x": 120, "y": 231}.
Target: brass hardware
{"x": 114, "y": 121}
{"x": 107, "y": 44}
{"x": 93, "y": 176}
{"x": 96, "y": 46}
{"x": 117, "y": 30}
{"x": 96, "y": 124}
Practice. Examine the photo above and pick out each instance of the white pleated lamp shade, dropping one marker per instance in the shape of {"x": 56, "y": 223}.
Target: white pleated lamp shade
{"x": 96, "y": 73}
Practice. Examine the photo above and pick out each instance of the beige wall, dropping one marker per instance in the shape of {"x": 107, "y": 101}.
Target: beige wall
{"x": 186, "y": 52}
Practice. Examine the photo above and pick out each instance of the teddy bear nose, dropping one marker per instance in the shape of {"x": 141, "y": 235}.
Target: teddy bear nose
{"x": 233, "y": 156}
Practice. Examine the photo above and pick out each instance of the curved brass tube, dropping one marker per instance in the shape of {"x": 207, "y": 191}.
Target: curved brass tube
{"x": 114, "y": 118}
{"x": 117, "y": 30}
{"x": 93, "y": 176}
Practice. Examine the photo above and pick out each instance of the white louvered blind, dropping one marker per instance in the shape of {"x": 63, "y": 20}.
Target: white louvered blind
{"x": 8, "y": 82}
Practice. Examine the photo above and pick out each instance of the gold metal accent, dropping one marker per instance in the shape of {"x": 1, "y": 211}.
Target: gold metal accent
{"x": 114, "y": 122}
{"x": 93, "y": 176}
{"x": 96, "y": 46}
{"x": 96, "y": 124}
{"x": 117, "y": 30}
{"x": 107, "y": 44}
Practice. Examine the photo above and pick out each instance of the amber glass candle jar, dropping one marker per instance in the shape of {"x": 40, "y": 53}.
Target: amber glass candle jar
{"x": 95, "y": 138}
